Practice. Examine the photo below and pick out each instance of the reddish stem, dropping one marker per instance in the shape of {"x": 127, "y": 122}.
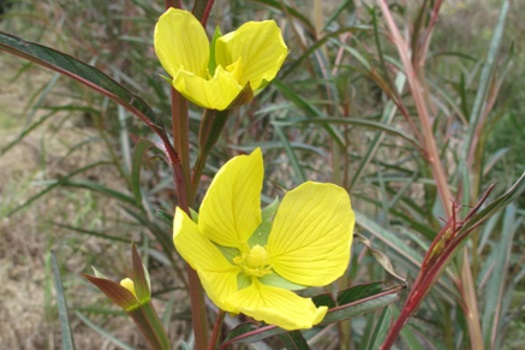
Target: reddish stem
{"x": 173, "y": 3}
{"x": 206, "y": 14}
{"x": 215, "y": 337}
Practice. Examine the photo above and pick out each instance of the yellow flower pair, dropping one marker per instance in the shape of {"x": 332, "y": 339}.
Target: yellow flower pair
{"x": 236, "y": 65}
{"x": 249, "y": 260}
{"x": 248, "y": 263}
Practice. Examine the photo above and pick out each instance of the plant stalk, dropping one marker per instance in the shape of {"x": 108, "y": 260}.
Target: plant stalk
{"x": 185, "y": 199}
{"x": 438, "y": 172}
{"x": 216, "y": 334}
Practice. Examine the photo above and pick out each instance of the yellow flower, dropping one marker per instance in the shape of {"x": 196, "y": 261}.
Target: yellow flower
{"x": 249, "y": 264}
{"x": 245, "y": 60}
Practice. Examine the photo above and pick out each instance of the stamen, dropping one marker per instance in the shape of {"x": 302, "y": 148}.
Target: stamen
{"x": 254, "y": 262}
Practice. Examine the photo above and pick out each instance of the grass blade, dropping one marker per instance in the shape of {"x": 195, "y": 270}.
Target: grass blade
{"x": 299, "y": 174}
{"x": 495, "y": 289}
{"x": 103, "y": 332}
{"x": 68, "y": 342}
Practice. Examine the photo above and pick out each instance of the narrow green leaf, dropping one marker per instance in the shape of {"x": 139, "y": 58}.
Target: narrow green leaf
{"x": 380, "y": 329}
{"x": 480, "y": 102}
{"x": 484, "y": 85}
{"x": 168, "y": 311}
{"x": 310, "y": 110}
{"x": 346, "y": 5}
{"x": 324, "y": 300}
{"x": 386, "y": 118}
{"x": 164, "y": 216}
{"x": 38, "y": 105}
{"x": 68, "y": 342}
{"x": 138, "y": 154}
{"x": 279, "y": 5}
{"x": 333, "y": 37}
{"x": 24, "y": 133}
{"x": 125, "y": 146}
{"x": 98, "y": 187}
{"x": 413, "y": 340}
{"x": 359, "y": 292}
{"x": 390, "y": 238}
{"x": 352, "y": 121}
{"x": 502, "y": 201}
{"x": 112, "y": 338}
{"x": 496, "y": 285}
{"x": 55, "y": 184}
{"x": 299, "y": 174}
{"x": 92, "y": 233}
{"x": 294, "y": 341}
{"x": 84, "y": 73}
{"x": 362, "y": 306}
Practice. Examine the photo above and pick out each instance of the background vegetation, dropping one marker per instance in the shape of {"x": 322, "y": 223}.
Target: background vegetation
{"x": 340, "y": 111}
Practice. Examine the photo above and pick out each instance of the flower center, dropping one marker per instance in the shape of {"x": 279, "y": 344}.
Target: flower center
{"x": 254, "y": 262}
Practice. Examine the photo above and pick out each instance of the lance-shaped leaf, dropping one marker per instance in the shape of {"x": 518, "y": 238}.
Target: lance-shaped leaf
{"x": 84, "y": 73}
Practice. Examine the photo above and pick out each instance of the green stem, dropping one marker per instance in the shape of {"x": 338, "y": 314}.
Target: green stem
{"x": 210, "y": 129}
{"x": 149, "y": 324}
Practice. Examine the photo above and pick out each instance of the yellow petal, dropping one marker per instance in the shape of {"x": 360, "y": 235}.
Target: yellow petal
{"x": 261, "y": 47}
{"x": 215, "y": 93}
{"x": 231, "y": 209}
{"x": 277, "y": 306}
{"x": 181, "y": 43}
{"x": 311, "y": 236}
{"x": 218, "y": 276}
{"x": 129, "y": 285}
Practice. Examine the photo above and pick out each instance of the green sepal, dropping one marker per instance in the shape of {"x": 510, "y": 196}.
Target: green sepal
{"x": 212, "y": 65}
{"x": 229, "y": 253}
{"x": 275, "y": 280}
{"x": 139, "y": 277}
{"x": 270, "y": 210}
{"x": 97, "y": 273}
{"x": 194, "y": 216}
{"x": 168, "y": 79}
{"x": 261, "y": 233}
